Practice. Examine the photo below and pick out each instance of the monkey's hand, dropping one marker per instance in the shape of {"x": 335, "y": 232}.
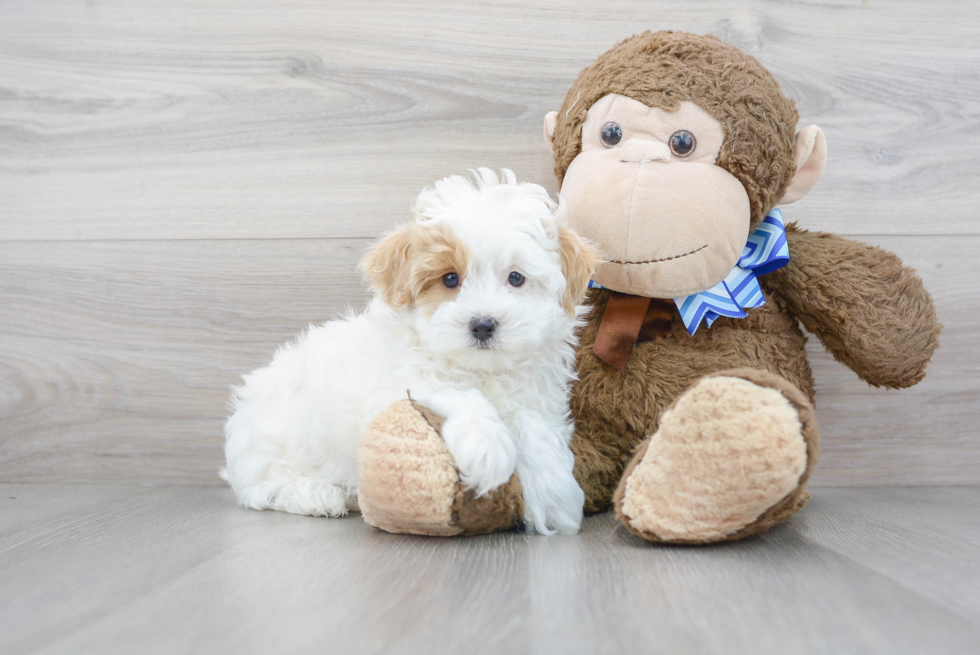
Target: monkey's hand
{"x": 869, "y": 310}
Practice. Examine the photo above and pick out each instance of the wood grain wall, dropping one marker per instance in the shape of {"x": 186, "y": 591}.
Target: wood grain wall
{"x": 184, "y": 184}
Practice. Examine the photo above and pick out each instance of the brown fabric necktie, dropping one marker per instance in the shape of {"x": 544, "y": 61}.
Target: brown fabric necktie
{"x": 629, "y": 320}
{"x": 619, "y": 327}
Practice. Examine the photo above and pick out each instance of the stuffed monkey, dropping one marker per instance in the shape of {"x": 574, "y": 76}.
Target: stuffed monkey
{"x": 694, "y": 403}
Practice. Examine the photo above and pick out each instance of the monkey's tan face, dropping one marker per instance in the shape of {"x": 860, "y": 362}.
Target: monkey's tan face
{"x": 646, "y": 190}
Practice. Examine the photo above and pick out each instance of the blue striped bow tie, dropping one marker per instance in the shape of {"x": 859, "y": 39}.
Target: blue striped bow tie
{"x": 765, "y": 252}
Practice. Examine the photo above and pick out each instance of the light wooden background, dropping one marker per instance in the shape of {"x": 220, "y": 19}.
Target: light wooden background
{"x": 184, "y": 184}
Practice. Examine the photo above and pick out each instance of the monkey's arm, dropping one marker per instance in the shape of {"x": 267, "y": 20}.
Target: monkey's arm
{"x": 869, "y": 310}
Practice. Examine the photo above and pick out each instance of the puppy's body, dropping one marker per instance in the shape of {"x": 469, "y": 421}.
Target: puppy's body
{"x": 494, "y": 358}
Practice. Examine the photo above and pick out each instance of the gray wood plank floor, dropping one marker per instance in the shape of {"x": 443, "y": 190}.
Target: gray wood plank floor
{"x": 177, "y": 569}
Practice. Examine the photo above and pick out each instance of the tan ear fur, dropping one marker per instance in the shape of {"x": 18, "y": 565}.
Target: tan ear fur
{"x": 435, "y": 251}
{"x": 388, "y": 266}
{"x": 550, "y": 121}
{"x": 810, "y": 159}
{"x": 578, "y": 262}
{"x": 409, "y": 260}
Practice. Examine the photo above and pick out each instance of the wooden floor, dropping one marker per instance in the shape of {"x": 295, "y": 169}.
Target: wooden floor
{"x": 173, "y": 569}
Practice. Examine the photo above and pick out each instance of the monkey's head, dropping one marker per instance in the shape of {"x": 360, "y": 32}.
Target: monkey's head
{"x": 669, "y": 150}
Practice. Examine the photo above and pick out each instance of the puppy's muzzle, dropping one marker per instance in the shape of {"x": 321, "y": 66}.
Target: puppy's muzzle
{"x": 482, "y": 329}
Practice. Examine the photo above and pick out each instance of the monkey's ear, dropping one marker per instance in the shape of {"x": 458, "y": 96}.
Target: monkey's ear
{"x": 810, "y": 159}
{"x": 550, "y": 120}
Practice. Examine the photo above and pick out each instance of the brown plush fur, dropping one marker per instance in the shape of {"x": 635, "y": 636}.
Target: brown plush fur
{"x": 869, "y": 310}
{"x": 782, "y": 509}
{"x": 501, "y": 509}
{"x": 872, "y": 313}
{"x": 663, "y": 69}
{"x": 615, "y": 411}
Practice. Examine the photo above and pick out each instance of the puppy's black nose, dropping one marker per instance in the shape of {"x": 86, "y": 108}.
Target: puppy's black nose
{"x": 482, "y": 328}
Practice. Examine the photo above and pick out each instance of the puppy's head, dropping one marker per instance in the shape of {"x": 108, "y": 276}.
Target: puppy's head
{"x": 485, "y": 271}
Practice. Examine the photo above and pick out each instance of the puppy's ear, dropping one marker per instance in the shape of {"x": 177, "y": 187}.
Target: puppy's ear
{"x": 578, "y": 262}
{"x": 387, "y": 266}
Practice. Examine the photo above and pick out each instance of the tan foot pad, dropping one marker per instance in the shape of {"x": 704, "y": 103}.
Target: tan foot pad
{"x": 408, "y": 483}
{"x": 728, "y": 451}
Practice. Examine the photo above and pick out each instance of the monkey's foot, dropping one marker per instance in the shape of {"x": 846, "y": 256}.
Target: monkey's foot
{"x": 408, "y": 483}
{"x": 730, "y": 458}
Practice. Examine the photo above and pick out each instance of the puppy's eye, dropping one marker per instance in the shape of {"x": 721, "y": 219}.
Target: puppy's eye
{"x": 515, "y": 279}
{"x": 611, "y": 135}
{"x": 450, "y": 280}
{"x": 682, "y": 143}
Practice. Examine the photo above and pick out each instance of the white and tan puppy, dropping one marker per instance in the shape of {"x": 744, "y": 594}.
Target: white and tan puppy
{"x": 475, "y": 312}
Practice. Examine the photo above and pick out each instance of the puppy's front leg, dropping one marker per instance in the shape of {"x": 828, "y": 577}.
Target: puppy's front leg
{"x": 553, "y": 499}
{"x": 476, "y": 438}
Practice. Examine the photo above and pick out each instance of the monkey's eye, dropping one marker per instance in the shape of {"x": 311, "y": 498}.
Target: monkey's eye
{"x": 682, "y": 143}
{"x": 612, "y": 134}
{"x": 450, "y": 280}
{"x": 515, "y": 279}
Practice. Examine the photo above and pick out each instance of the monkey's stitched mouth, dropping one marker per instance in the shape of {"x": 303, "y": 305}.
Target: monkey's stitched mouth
{"x": 663, "y": 259}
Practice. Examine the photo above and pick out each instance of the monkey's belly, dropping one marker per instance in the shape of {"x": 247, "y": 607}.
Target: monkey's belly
{"x": 615, "y": 410}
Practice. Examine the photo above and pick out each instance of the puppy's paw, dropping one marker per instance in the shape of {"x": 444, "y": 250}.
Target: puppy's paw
{"x": 483, "y": 449}
{"x": 553, "y": 504}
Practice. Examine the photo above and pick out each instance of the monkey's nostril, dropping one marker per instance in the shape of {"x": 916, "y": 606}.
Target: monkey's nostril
{"x": 482, "y": 328}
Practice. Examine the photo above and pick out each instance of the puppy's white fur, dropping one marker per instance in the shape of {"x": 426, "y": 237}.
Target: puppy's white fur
{"x": 292, "y": 439}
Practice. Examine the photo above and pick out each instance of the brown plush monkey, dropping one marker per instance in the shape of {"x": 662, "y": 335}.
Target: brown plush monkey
{"x": 693, "y": 408}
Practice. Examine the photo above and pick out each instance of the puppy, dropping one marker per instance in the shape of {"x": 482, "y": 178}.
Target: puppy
{"x": 475, "y": 312}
